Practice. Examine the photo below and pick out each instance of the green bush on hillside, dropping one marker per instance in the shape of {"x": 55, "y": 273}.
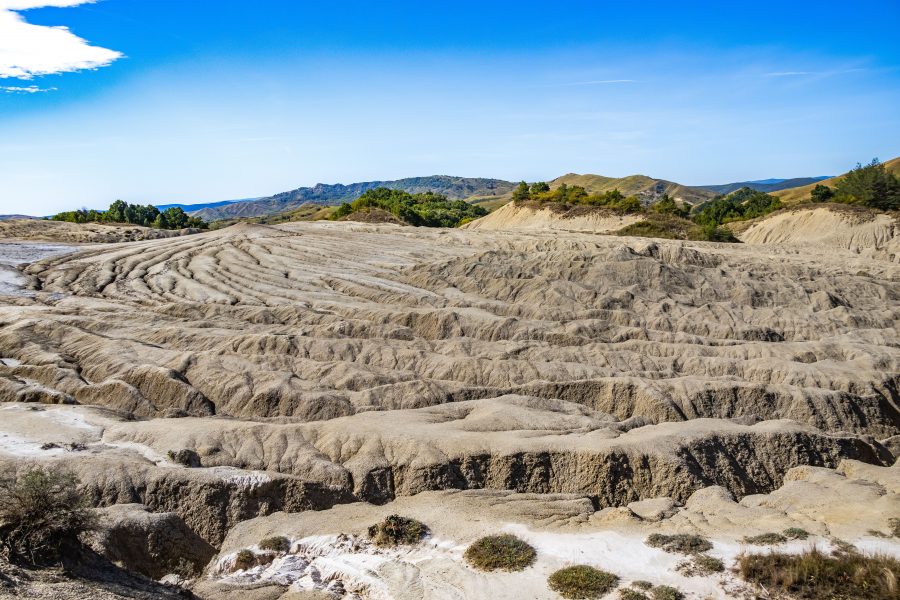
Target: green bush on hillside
{"x": 424, "y": 210}
{"x": 668, "y": 206}
{"x": 575, "y": 194}
{"x": 740, "y": 205}
{"x": 870, "y": 185}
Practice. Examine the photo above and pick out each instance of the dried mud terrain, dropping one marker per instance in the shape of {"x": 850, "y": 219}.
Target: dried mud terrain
{"x": 583, "y": 390}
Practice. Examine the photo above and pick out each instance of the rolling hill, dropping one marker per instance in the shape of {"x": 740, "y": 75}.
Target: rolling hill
{"x": 454, "y": 188}
{"x": 646, "y": 188}
{"x": 801, "y": 194}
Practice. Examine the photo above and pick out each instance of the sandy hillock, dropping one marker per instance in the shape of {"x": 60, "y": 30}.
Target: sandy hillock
{"x": 861, "y": 231}
{"x": 86, "y": 233}
{"x": 532, "y": 217}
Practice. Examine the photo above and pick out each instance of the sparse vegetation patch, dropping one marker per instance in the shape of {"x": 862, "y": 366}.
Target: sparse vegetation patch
{"x": 41, "y": 510}
{"x": 795, "y": 533}
{"x": 582, "y": 581}
{"x": 701, "y": 565}
{"x": 277, "y": 543}
{"x": 813, "y": 574}
{"x": 666, "y": 592}
{"x": 765, "y": 539}
{"x": 500, "y": 553}
{"x": 396, "y": 530}
{"x": 681, "y": 543}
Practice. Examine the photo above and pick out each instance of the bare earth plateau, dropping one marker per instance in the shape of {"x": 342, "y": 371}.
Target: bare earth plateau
{"x": 581, "y": 391}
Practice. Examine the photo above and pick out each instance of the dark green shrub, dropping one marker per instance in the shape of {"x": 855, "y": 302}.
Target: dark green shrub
{"x": 427, "y": 209}
{"x": 682, "y": 543}
{"x": 869, "y": 185}
{"x": 41, "y": 509}
{"x": 821, "y": 193}
{"x": 582, "y": 581}
{"x": 500, "y": 552}
{"x": 396, "y": 530}
{"x": 277, "y": 543}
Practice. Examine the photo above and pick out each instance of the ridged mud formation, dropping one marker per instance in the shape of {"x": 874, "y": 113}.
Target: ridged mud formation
{"x": 315, "y": 321}
{"x": 320, "y": 364}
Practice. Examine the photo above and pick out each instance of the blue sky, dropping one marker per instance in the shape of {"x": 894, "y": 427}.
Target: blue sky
{"x": 202, "y": 101}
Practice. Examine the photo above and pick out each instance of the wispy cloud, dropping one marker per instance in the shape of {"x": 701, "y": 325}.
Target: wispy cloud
{"x": 829, "y": 73}
{"x": 788, "y": 73}
{"x": 31, "y": 89}
{"x": 28, "y": 51}
{"x": 602, "y": 82}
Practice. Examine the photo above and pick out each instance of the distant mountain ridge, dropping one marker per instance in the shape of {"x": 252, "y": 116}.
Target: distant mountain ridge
{"x": 764, "y": 185}
{"x": 455, "y": 188}
{"x": 189, "y": 208}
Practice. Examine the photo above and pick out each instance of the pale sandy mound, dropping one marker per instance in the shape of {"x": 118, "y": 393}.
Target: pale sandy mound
{"x": 87, "y": 233}
{"x": 513, "y": 216}
{"x": 866, "y": 233}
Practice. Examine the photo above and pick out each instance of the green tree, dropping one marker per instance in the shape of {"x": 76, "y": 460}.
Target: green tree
{"x": 668, "y": 206}
{"x": 176, "y": 217}
{"x": 116, "y": 212}
{"x": 521, "y": 193}
{"x": 870, "y": 185}
{"x": 821, "y": 193}
{"x": 539, "y": 187}
{"x": 427, "y": 209}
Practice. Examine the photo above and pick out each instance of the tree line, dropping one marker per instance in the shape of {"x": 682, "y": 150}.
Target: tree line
{"x": 134, "y": 214}
{"x": 424, "y": 210}
{"x": 575, "y": 194}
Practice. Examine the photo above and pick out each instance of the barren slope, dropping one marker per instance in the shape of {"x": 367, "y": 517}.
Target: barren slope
{"x": 865, "y": 232}
{"x": 526, "y": 217}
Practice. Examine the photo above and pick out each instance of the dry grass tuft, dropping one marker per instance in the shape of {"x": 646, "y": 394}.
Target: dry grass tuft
{"x": 500, "y": 552}
{"x": 682, "y": 543}
{"x": 581, "y": 582}
{"x": 814, "y": 574}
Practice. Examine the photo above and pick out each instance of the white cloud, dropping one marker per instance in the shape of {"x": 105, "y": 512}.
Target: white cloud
{"x": 31, "y": 89}
{"x": 26, "y": 4}
{"x": 28, "y": 50}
